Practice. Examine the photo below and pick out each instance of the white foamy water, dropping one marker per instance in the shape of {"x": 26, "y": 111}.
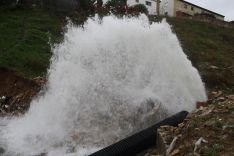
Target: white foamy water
{"x": 105, "y": 82}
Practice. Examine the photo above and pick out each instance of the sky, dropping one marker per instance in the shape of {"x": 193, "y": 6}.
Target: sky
{"x": 223, "y": 7}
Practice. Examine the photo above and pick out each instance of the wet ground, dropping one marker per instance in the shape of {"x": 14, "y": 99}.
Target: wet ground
{"x": 16, "y": 92}
{"x": 207, "y": 131}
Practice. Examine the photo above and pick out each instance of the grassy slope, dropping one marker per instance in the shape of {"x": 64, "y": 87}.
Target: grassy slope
{"x": 24, "y": 36}
{"x": 24, "y": 45}
{"x": 208, "y": 45}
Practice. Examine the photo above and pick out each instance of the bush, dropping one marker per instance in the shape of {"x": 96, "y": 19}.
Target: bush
{"x": 140, "y": 8}
{"x": 99, "y": 3}
{"x": 117, "y": 6}
{"x": 116, "y": 3}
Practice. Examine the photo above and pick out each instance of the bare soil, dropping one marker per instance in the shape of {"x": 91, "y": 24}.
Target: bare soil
{"x": 207, "y": 131}
{"x": 15, "y": 93}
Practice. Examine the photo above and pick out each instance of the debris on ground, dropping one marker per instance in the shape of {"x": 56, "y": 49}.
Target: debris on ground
{"x": 16, "y": 92}
{"x": 208, "y": 130}
{"x": 198, "y": 143}
{"x": 40, "y": 81}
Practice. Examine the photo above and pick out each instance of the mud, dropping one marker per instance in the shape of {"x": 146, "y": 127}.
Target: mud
{"x": 16, "y": 93}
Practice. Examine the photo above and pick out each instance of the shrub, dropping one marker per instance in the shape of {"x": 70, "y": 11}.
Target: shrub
{"x": 141, "y": 8}
{"x": 116, "y": 3}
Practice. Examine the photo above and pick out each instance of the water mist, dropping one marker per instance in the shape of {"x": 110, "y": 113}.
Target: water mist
{"x": 106, "y": 79}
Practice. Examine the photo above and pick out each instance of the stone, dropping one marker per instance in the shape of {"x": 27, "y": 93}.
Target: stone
{"x": 217, "y": 94}
{"x": 221, "y": 99}
{"x": 201, "y": 104}
{"x": 231, "y": 97}
{"x": 176, "y": 151}
{"x": 181, "y": 125}
{"x": 213, "y": 67}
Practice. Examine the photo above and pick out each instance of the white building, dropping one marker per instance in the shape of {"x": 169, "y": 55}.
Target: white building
{"x": 177, "y": 8}
{"x": 150, "y": 4}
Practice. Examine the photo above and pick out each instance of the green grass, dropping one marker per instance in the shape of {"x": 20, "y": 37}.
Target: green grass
{"x": 24, "y": 48}
{"x": 24, "y": 38}
{"x": 208, "y": 45}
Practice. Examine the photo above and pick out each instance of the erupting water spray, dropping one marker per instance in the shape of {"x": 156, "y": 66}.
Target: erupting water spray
{"x": 106, "y": 81}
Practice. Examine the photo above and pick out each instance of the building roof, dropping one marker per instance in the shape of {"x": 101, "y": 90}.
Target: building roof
{"x": 202, "y": 8}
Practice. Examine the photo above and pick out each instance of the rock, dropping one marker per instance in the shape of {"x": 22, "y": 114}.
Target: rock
{"x": 161, "y": 143}
{"x": 168, "y": 128}
{"x": 201, "y": 104}
{"x": 221, "y": 99}
{"x": 221, "y": 111}
{"x": 181, "y": 125}
{"x": 171, "y": 146}
{"x": 176, "y": 151}
{"x": 41, "y": 81}
{"x": 207, "y": 111}
{"x": 213, "y": 67}
{"x": 217, "y": 94}
{"x": 231, "y": 97}
{"x": 177, "y": 131}
{"x": 4, "y": 100}
{"x": 198, "y": 143}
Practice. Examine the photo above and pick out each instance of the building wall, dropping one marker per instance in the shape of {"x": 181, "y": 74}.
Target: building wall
{"x": 152, "y": 8}
{"x": 167, "y": 7}
{"x": 170, "y": 7}
{"x": 191, "y": 10}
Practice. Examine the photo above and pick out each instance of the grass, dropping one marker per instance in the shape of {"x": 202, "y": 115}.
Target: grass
{"x": 24, "y": 39}
{"x": 214, "y": 150}
{"x": 24, "y": 48}
{"x": 208, "y": 46}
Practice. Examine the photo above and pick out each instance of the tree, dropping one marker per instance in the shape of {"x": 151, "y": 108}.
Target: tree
{"x": 86, "y": 4}
{"x": 99, "y": 3}
{"x": 117, "y": 3}
{"x": 140, "y": 8}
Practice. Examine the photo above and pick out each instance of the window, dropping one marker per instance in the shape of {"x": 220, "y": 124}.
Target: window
{"x": 185, "y": 6}
{"x": 137, "y": 1}
{"x": 192, "y": 8}
{"x": 148, "y": 3}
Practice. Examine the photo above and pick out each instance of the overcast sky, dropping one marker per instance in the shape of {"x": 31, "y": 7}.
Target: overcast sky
{"x": 224, "y": 7}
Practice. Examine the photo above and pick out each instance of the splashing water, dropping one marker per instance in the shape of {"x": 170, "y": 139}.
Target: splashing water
{"x": 105, "y": 81}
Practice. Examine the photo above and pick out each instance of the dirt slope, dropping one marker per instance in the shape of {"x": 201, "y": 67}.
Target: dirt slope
{"x": 15, "y": 93}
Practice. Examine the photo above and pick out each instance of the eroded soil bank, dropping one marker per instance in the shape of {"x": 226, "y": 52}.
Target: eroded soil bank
{"x": 16, "y": 92}
{"x": 207, "y": 131}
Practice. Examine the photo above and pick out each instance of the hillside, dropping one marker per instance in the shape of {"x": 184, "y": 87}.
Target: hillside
{"x": 25, "y": 34}
{"x": 211, "y": 50}
{"x": 25, "y": 49}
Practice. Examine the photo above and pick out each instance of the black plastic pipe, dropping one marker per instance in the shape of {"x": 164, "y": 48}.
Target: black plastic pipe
{"x": 140, "y": 141}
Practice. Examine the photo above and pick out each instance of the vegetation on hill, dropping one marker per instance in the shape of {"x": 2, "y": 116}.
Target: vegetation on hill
{"x": 24, "y": 41}
{"x": 211, "y": 50}
{"x": 141, "y": 8}
{"x": 25, "y": 49}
